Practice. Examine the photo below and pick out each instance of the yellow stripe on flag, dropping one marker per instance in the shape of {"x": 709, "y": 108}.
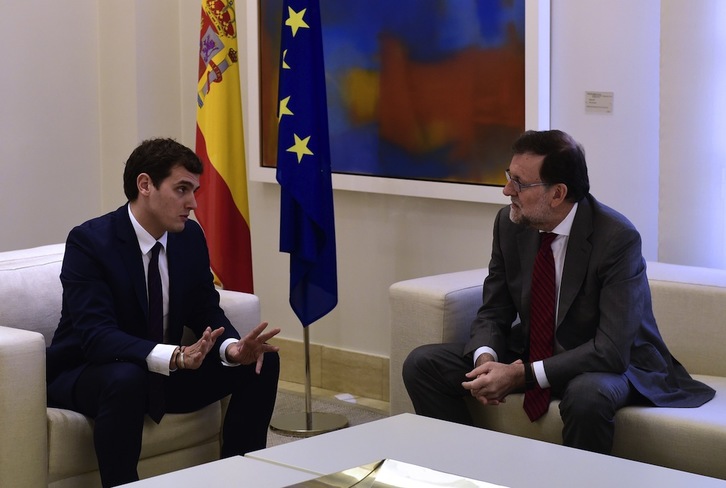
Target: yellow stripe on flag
{"x": 223, "y": 209}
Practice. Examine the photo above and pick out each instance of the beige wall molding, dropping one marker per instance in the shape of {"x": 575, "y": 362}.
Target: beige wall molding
{"x": 335, "y": 369}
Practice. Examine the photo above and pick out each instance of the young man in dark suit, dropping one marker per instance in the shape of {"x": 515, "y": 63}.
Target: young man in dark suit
{"x": 592, "y": 341}
{"x": 116, "y": 354}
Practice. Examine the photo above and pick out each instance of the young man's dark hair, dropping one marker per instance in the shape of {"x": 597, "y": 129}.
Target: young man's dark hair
{"x": 156, "y": 157}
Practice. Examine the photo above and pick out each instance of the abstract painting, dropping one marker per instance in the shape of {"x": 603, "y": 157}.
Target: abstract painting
{"x": 429, "y": 90}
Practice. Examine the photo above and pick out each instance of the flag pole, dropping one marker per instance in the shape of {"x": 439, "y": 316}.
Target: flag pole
{"x": 308, "y": 381}
{"x": 309, "y": 423}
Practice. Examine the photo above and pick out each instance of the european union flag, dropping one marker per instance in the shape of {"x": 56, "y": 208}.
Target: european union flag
{"x": 307, "y": 228}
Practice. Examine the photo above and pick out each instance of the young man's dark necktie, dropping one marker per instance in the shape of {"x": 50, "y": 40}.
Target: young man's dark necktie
{"x": 155, "y": 332}
{"x": 542, "y": 321}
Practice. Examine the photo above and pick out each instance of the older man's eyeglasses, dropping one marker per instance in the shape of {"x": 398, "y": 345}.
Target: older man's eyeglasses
{"x": 521, "y": 186}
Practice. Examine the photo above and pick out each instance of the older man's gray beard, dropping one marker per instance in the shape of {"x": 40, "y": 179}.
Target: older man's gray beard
{"x": 519, "y": 218}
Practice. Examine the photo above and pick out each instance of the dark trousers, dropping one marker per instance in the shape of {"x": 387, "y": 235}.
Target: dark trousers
{"x": 115, "y": 396}
{"x": 433, "y": 375}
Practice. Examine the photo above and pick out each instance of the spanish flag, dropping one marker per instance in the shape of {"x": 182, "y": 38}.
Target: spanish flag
{"x": 223, "y": 210}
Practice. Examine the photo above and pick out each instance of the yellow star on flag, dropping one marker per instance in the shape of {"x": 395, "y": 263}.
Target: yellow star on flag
{"x": 295, "y": 20}
{"x": 284, "y": 63}
{"x": 283, "y": 108}
{"x": 300, "y": 148}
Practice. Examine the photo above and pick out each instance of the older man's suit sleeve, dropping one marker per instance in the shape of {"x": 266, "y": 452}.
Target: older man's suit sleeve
{"x": 493, "y": 323}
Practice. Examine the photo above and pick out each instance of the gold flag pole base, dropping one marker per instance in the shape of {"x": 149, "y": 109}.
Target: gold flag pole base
{"x": 308, "y": 423}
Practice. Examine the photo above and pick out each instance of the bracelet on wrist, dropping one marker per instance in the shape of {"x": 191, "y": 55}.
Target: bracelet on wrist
{"x": 175, "y": 358}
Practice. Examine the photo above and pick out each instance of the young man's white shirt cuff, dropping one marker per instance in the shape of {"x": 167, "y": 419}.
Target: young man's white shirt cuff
{"x": 159, "y": 358}
{"x": 222, "y": 354}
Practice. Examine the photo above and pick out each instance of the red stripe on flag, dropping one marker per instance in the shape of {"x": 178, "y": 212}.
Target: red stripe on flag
{"x": 227, "y": 231}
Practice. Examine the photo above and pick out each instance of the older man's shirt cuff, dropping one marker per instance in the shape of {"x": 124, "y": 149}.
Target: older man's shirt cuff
{"x": 540, "y": 375}
{"x": 484, "y": 350}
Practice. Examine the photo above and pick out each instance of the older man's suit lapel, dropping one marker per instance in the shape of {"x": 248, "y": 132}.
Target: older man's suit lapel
{"x": 576, "y": 258}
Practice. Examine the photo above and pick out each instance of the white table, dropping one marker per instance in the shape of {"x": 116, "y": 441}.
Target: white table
{"x": 473, "y": 453}
{"x": 233, "y": 471}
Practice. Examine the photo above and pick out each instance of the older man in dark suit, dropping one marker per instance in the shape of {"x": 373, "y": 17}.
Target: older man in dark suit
{"x": 566, "y": 310}
{"x": 116, "y": 356}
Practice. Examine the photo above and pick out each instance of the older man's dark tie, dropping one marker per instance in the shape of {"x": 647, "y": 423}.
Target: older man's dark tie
{"x": 155, "y": 332}
{"x": 542, "y": 322}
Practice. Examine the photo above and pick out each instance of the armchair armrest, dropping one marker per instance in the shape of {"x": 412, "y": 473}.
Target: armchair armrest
{"x": 24, "y": 424}
{"x": 242, "y": 309}
{"x": 428, "y": 310}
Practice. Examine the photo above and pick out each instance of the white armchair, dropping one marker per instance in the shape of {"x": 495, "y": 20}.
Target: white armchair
{"x": 42, "y": 446}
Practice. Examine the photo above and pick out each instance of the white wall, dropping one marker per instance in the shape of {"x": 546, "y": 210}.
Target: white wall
{"x": 612, "y": 46}
{"x": 693, "y": 134}
{"x": 97, "y": 76}
{"x": 49, "y": 120}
